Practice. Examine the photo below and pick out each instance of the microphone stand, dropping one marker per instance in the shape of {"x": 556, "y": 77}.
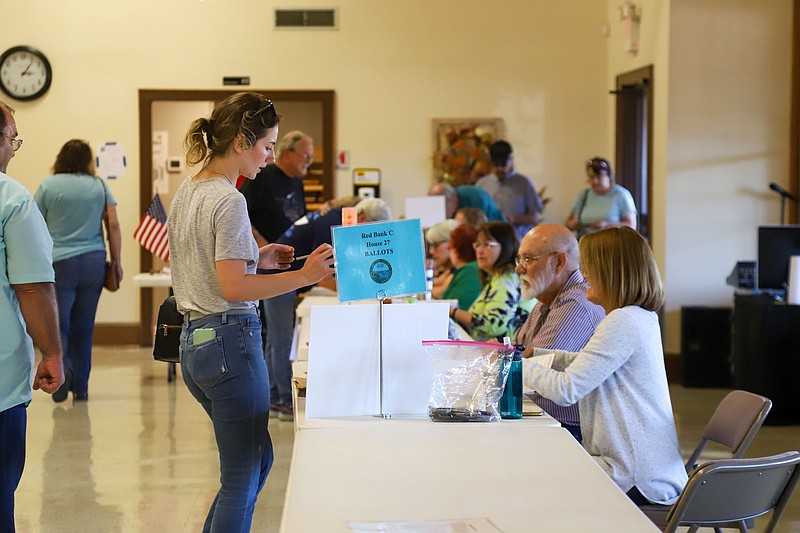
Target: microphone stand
{"x": 783, "y": 209}
{"x": 784, "y": 195}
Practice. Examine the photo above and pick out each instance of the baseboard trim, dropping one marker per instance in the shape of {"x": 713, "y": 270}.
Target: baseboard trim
{"x": 673, "y": 362}
{"x": 116, "y": 334}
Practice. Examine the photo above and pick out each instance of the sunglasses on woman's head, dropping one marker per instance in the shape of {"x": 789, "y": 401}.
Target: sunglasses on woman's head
{"x": 597, "y": 163}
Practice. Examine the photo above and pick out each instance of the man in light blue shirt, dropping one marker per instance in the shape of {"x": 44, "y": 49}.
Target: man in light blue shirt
{"x": 28, "y": 314}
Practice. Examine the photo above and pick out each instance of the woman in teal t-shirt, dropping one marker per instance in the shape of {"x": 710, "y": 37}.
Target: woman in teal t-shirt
{"x": 73, "y": 202}
{"x": 466, "y": 283}
{"x": 604, "y": 204}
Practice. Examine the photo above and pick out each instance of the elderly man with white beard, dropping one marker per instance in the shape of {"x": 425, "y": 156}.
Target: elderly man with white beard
{"x": 563, "y": 319}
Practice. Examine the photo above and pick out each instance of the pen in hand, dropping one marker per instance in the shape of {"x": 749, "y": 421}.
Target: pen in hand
{"x": 304, "y": 257}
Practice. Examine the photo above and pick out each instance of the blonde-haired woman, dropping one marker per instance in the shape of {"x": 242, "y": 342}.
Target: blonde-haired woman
{"x": 618, "y": 379}
{"x": 214, "y": 256}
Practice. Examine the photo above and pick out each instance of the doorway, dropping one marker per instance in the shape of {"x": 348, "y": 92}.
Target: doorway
{"x": 634, "y": 140}
{"x": 319, "y": 181}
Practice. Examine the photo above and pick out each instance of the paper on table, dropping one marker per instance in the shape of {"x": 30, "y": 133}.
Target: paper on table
{"x": 545, "y": 360}
{"x": 467, "y": 525}
{"x": 343, "y": 376}
{"x": 529, "y": 407}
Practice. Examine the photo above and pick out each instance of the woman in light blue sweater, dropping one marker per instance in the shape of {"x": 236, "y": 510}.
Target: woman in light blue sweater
{"x": 618, "y": 379}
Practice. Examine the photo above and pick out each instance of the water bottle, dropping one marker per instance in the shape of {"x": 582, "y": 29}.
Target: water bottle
{"x": 511, "y": 400}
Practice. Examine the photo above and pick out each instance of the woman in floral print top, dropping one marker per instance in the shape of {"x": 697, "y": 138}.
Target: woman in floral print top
{"x": 498, "y": 311}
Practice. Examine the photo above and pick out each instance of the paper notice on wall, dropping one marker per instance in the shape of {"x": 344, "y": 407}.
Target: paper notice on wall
{"x": 110, "y": 161}
{"x": 160, "y": 148}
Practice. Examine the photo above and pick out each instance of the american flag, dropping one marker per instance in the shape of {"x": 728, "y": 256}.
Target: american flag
{"x": 152, "y": 230}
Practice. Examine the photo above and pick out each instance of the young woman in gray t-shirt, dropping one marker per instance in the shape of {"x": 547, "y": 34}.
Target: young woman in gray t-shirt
{"x": 213, "y": 257}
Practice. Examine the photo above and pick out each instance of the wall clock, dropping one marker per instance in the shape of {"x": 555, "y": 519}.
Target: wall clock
{"x": 25, "y": 73}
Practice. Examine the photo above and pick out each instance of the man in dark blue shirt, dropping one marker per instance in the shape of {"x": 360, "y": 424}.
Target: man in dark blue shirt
{"x": 275, "y": 198}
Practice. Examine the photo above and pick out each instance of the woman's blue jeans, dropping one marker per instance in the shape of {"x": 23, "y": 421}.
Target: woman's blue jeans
{"x": 228, "y": 376}
{"x": 79, "y": 282}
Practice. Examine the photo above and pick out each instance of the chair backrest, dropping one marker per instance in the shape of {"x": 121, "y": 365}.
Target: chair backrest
{"x": 732, "y": 490}
{"x": 734, "y": 424}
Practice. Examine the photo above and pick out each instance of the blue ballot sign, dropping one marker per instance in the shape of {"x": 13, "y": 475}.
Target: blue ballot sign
{"x": 379, "y": 259}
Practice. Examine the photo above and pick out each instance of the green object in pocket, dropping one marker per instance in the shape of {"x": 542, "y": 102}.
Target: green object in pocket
{"x": 201, "y": 335}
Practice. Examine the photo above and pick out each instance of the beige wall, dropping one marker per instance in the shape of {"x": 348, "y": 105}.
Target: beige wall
{"x": 721, "y": 134}
{"x": 653, "y": 50}
{"x": 721, "y": 99}
{"x": 728, "y": 138}
{"x": 394, "y": 66}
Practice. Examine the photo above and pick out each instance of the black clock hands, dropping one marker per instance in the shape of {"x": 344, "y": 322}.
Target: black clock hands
{"x": 25, "y": 72}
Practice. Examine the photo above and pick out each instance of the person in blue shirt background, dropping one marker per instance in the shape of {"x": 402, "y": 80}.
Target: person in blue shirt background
{"x": 467, "y": 196}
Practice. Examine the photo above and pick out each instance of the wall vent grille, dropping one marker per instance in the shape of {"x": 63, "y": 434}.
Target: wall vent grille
{"x": 305, "y": 18}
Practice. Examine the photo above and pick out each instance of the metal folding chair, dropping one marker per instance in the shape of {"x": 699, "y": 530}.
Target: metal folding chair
{"x": 734, "y": 424}
{"x": 732, "y": 491}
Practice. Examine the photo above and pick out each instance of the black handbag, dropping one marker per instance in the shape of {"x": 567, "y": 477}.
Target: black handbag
{"x": 111, "y": 282}
{"x": 167, "y": 342}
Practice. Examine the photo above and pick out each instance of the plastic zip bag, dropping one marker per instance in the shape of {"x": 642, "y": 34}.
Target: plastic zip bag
{"x": 468, "y": 379}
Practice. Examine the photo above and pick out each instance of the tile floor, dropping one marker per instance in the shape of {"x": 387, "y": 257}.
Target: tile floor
{"x": 140, "y": 455}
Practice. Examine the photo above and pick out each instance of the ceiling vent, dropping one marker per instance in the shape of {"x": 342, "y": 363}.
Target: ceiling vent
{"x": 305, "y": 18}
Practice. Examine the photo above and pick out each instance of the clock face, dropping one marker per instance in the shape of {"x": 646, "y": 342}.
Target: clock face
{"x": 25, "y": 73}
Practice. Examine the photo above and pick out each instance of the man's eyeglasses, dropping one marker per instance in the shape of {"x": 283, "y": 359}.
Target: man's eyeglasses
{"x": 526, "y": 260}
{"x": 15, "y": 143}
{"x": 487, "y": 244}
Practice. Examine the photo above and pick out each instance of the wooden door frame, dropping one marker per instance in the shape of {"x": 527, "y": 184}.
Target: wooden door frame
{"x": 794, "y": 136}
{"x": 640, "y": 76}
{"x": 146, "y": 99}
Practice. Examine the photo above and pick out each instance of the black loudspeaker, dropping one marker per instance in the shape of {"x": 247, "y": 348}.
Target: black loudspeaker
{"x": 706, "y": 346}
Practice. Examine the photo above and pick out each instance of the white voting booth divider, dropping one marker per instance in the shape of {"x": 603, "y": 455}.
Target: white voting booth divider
{"x": 368, "y": 359}
{"x": 344, "y": 377}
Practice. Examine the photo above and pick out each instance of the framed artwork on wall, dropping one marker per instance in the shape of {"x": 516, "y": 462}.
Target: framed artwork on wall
{"x": 461, "y": 148}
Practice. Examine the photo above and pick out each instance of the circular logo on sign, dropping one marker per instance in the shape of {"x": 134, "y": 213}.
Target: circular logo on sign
{"x": 380, "y": 271}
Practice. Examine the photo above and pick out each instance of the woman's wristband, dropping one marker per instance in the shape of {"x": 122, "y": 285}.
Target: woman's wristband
{"x": 453, "y": 312}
